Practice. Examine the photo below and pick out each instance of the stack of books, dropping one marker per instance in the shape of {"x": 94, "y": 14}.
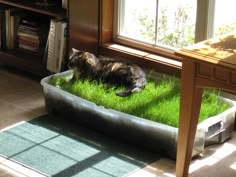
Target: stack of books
{"x": 32, "y": 36}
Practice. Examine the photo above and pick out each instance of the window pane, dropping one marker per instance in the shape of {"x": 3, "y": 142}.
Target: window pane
{"x": 176, "y": 22}
{"x": 225, "y": 20}
{"x": 137, "y": 19}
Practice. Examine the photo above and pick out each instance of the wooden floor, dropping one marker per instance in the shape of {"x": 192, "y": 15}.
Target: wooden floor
{"x": 21, "y": 99}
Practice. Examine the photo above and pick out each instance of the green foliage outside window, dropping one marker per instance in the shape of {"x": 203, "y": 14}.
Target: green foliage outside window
{"x": 181, "y": 33}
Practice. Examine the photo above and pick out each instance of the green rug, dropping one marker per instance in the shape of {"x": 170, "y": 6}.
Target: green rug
{"x": 59, "y": 147}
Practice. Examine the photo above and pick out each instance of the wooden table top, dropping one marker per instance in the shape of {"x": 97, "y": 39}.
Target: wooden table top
{"x": 221, "y": 50}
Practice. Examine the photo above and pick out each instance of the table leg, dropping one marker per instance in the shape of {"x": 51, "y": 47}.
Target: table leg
{"x": 190, "y": 103}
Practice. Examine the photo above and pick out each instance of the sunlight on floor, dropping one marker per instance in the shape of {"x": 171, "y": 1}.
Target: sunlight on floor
{"x": 233, "y": 166}
{"x": 223, "y": 152}
{"x": 221, "y": 157}
{"x": 16, "y": 169}
{"x": 11, "y": 126}
{"x": 162, "y": 168}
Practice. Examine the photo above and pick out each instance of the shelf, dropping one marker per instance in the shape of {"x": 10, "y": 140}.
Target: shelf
{"x": 53, "y": 11}
{"x": 24, "y": 60}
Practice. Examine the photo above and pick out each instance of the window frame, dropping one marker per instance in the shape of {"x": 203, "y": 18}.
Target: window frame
{"x": 107, "y": 46}
{"x": 160, "y": 60}
{"x": 135, "y": 43}
{"x": 203, "y": 28}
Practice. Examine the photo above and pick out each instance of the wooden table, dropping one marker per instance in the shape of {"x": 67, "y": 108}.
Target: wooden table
{"x": 212, "y": 64}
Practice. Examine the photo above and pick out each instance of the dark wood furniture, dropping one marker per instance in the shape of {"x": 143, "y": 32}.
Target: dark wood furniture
{"x": 84, "y": 25}
{"x": 211, "y": 63}
{"x": 27, "y": 61}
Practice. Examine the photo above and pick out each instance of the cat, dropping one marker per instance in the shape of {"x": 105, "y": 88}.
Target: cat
{"x": 85, "y": 64}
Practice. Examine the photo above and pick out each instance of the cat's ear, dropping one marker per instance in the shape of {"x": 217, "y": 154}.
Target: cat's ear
{"x": 73, "y": 50}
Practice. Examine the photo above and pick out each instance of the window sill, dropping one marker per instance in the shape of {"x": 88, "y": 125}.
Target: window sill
{"x": 144, "y": 59}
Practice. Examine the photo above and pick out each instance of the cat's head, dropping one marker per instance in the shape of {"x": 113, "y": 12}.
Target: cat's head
{"x": 83, "y": 61}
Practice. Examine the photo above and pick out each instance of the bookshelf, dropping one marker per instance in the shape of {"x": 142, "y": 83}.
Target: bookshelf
{"x": 52, "y": 11}
{"x": 23, "y": 59}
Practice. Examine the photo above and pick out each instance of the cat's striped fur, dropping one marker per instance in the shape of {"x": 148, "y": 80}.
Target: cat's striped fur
{"x": 86, "y": 64}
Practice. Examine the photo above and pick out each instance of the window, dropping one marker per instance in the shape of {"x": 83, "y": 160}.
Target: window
{"x": 171, "y": 24}
{"x": 225, "y": 21}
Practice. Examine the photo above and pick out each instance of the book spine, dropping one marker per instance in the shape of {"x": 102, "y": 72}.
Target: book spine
{"x": 63, "y": 46}
{"x": 36, "y": 37}
{"x": 15, "y": 20}
{"x": 64, "y": 4}
{"x": 30, "y": 39}
{"x": 31, "y": 48}
{"x": 7, "y": 27}
{"x": 12, "y": 17}
{"x": 53, "y": 46}
{"x": 3, "y": 9}
{"x": 2, "y": 30}
{"x": 51, "y": 37}
{"x": 29, "y": 43}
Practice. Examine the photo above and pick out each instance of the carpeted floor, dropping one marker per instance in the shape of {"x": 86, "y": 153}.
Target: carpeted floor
{"x": 59, "y": 147}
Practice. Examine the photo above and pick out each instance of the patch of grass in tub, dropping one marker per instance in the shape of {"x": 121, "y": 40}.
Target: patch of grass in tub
{"x": 159, "y": 101}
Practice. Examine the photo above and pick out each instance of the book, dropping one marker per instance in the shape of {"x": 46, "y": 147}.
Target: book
{"x": 7, "y": 27}
{"x": 26, "y": 28}
{"x": 57, "y": 45}
{"x": 63, "y": 45}
{"x": 53, "y": 45}
{"x": 29, "y": 38}
{"x": 31, "y": 29}
{"x": 65, "y": 4}
{"x": 2, "y": 29}
{"x": 33, "y": 33}
{"x": 45, "y": 54}
{"x": 12, "y": 17}
{"x": 15, "y": 21}
{"x": 3, "y": 8}
{"x": 29, "y": 43}
{"x": 31, "y": 48}
{"x": 32, "y": 36}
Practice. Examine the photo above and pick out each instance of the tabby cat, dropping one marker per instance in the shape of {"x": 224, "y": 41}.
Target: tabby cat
{"x": 86, "y": 64}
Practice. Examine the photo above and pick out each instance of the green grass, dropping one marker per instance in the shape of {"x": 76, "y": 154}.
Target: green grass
{"x": 159, "y": 101}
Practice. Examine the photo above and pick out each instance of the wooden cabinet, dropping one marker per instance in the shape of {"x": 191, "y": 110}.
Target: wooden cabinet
{"x": 84, "y": 25}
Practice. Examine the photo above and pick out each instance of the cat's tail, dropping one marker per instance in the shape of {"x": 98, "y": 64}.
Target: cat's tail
{"x": 123, "y": 93}
{"x": 127, "y": 92}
